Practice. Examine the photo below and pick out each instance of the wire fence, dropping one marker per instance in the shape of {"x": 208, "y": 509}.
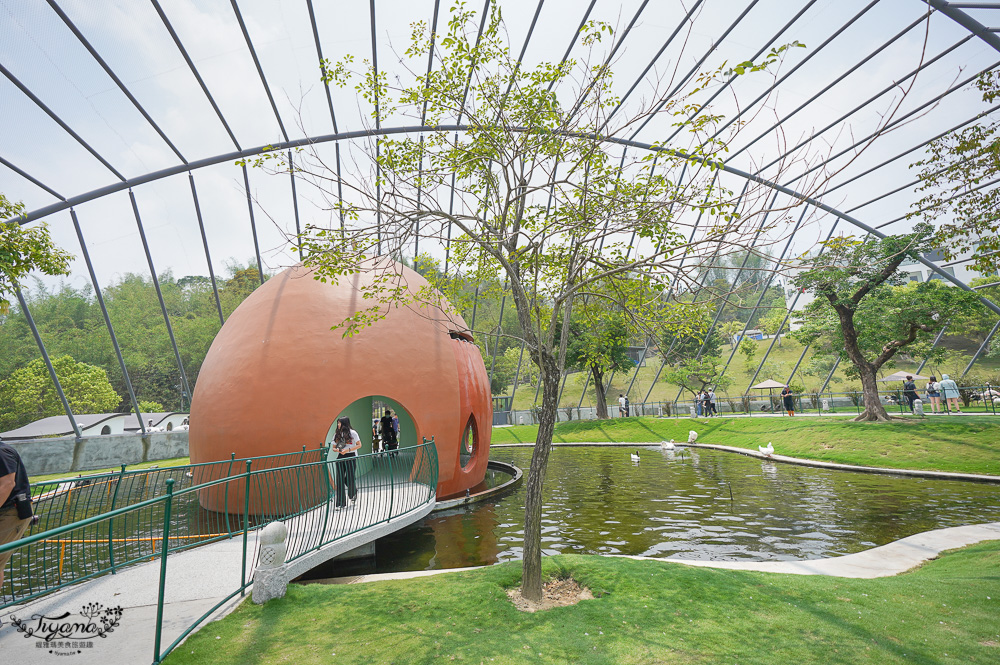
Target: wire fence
{"x": 97, "y": 525}
{"x": 983, "y": 400}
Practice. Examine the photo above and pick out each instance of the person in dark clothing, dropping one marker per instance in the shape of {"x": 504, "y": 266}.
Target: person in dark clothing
{"x": 388, "y": 431}
{"x": 910, "y": 391}
{"x": 15, "y": 500}
{"x": 789, "y": 400}
{"x": 347, "y": 442}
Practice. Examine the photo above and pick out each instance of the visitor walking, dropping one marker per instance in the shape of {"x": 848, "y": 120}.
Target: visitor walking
{"x": 347, "y": 442}
{"x": 934, "y": 394}
{"x": 949, "y": 391}
{"x": 789, "y": 400}
{"x": 910, "y": 391}
{"x": 15, "y": 500}
{"x": 711, "y": 403}
{"x": 621, "y": 405}
{"x": 388, "y": 431}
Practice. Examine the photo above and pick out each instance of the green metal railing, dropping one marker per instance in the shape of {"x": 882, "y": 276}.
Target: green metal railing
{"x": 123, "y": 518}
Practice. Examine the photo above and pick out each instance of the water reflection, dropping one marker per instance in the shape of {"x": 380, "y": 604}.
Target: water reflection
{"x": 692, "y": 503}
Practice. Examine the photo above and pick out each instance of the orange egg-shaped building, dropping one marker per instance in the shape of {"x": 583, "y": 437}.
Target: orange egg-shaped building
{"x": 277, "y": 376}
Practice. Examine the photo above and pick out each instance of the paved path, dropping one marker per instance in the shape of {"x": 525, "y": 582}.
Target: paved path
{"x": 197, "y": 580}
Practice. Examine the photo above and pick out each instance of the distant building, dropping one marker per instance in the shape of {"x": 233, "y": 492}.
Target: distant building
{"x": 91, "y": 424}
{"x": 94, "y": 424}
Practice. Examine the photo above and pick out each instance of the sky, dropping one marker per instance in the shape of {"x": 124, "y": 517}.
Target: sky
{"x": 40, "y": 50}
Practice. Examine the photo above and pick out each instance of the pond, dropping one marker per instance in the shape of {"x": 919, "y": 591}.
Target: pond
{"x": 692, "y": 503}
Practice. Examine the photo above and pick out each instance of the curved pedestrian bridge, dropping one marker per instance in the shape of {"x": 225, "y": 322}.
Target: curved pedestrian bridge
{"x": 143, "y": 541}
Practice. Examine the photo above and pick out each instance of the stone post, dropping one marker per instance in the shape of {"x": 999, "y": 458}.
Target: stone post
{"x": 270, "y": 578}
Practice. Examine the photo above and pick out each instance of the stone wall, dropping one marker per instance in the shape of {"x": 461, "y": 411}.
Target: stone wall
{"x": 66, "y": 454}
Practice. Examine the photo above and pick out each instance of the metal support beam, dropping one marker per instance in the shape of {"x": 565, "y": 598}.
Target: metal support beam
{"x": 48, "y": 364}
{"x": 107, "y": 319}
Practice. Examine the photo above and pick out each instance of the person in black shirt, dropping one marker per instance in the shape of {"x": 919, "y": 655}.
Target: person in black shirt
{"x": 910, "y": 391}
{"x": 388, "y": 429}
{"x": 14, "y": 490}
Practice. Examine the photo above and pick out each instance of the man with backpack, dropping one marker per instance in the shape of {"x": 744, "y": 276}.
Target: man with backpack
{"x": 389, "y": 440}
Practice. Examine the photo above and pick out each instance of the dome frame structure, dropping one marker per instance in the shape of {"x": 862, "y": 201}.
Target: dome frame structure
{"x": 966, "y": 41}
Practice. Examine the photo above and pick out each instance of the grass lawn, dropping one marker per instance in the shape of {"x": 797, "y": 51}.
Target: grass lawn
{"x": 967, "y": 444}
{"x": 644, "y": 612}
{"x": 163, "y": 463}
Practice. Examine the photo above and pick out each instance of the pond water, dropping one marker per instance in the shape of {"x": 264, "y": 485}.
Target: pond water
{"x": 691, "y": 503}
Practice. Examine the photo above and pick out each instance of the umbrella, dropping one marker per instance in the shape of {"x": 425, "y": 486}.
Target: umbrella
{"x": 901, "y": 376}
{"x": 770, "y": 385}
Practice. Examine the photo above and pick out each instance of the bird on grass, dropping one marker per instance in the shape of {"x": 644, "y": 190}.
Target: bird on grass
{"x": 768, "y": 449}
{"x": 634, "y": 456}
{"x": 692, "y": 436}
{"x": 667, "y": 445}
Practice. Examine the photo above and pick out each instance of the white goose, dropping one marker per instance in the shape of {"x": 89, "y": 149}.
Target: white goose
{"x": 667, "y": 445}
{"x": 692, "y": 436}
{"x": 767, "y": 450}
{"x": 634, "y": 456}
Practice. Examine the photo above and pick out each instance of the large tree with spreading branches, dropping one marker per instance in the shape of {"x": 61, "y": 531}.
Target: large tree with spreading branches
{"x": 859, "y": 315}
{"x": 522, "y": 173}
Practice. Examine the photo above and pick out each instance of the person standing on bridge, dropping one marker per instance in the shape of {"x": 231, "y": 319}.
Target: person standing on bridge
{"x": 347, "y": 443}
{"x": 389, "y": 440}
{"x": 15, "y": 500}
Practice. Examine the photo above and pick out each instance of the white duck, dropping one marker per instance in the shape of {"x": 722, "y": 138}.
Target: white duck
{"x": 692, "y": 436}
{"x": 768, "y": 449}
{"x": 667, "y": 445}
{"x": 634, "y": 456}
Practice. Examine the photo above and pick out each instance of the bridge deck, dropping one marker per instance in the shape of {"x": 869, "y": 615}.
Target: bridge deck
{"x": 196, "y": 580}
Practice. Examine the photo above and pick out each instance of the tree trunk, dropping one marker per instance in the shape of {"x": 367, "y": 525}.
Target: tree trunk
{"x": 602, "y": 401}
{"x": 531, "y": 578}
{"x": 874, "y": 411}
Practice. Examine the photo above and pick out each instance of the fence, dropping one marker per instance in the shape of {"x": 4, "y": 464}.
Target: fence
{"x": 118, "y": 519}
{"x": 975, "y": 399}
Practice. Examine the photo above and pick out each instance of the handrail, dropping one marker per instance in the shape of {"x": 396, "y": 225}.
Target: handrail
{"x": 406, "y": 478}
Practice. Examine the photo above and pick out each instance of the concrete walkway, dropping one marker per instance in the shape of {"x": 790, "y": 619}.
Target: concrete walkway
{"x": 197, "y": 580}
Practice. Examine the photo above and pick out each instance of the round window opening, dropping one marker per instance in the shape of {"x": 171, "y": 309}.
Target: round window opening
{"x": 470, "y": 442}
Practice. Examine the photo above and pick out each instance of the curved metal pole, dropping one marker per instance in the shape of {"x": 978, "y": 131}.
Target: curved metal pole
{"x": 784, "y": 189}
{"x": 159, "y": 296}
{"x": 48, "y": 364}
{"x": 253, "y": 224}
{"x": 208, "y": 256}
{"x": 107, "y": 319}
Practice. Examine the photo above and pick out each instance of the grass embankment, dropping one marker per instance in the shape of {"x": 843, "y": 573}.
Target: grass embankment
{"x": 644, "y": 612}
{"x": 163, "y": 463}
{"x": 966, "y": 444}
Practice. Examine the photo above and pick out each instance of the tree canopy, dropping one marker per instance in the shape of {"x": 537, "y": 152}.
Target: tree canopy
{"x": 23, "y": 249}
{"x": 955, "y": 178}
{"x": 519, "y": 174}
{"x": 863, "y": 312}
{"x": 29, "y": 394}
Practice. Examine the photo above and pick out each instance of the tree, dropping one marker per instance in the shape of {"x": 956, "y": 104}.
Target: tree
{"x": 30, "y": 394}
{"x": 516, "y": 171}
{"x": 23, "y": 250}
{"x": 858, "y": 315}
{"x": 749, "y": 350}
{"x": 955, "y": 174}
{"x": 697, "y": 374}
{"x": 774, "y": 323}
{"x": 598, "y": 342}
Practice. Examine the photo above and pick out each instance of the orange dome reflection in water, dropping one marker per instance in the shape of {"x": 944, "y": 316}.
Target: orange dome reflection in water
{"x": 277, "y": 377}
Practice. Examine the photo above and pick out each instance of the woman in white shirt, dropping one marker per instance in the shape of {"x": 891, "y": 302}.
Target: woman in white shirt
{"x": 347, "y": 442}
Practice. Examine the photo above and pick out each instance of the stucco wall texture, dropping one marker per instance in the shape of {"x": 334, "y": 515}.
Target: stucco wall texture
{"x": 277, "y": 376}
